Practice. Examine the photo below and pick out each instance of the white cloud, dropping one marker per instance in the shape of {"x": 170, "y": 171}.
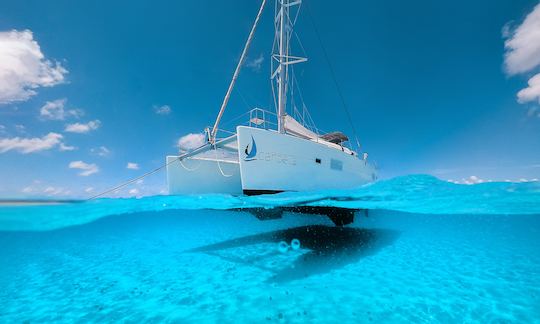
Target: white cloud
{"x": 255, "y": 64}
{"x": 132, "y": 166}
{"x": 52, "y": 190}
{"x": 20, "y": 128}
{"x": 87, "y": 168}
{"x": 64, "y": 147}
{"x": 523, "y": 55}
{"x": 191, "y": 141}
{"x": 523, "y": 44}
{"x": 162, "y": 110}
{"x": 101, "y": 151}
{"x": 134, "y": 192}
{"x": 2, "y": 129}
{"x": 89, "y": 189}
{"x": 30, "y": 145}
{"x": 470, "y": 180}
{"x": 56, "y": 191}
{"x": 83, "y": 128}
{"x": 532, "y": 92}
{"x": 54, "y": 110}
{"x": 24, "y": 68}
{"x": 28, "y": 189}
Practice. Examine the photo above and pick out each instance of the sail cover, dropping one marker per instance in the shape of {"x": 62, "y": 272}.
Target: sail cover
{"x": 292, "y": 126}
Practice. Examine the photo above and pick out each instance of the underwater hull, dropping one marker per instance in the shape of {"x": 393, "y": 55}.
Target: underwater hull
{"x": 275, "y": 162}
{"x": 202, "y": 176}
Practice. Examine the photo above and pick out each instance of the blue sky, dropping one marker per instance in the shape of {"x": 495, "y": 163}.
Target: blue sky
{"x": 86, "y": 88}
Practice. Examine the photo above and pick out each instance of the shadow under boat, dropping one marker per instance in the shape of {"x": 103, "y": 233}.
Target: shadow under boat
{"x": 339, "y": 216}
{"x": 326, "y": 248}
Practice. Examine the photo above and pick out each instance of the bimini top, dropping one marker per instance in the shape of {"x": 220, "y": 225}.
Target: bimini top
{"x": 335, "y": 137}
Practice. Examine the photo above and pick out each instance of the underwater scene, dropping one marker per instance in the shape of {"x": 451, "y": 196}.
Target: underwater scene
{"x": 270, "y": 161}
{"x": 419, "y": 250}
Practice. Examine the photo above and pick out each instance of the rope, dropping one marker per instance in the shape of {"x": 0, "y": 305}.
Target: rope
{"x": 122, "y": 185}
{"x": 188, "y": 169}
{"x": 133, "y": 180}
{"x": 333, "y": 74}
{"x": 219, "y": 166}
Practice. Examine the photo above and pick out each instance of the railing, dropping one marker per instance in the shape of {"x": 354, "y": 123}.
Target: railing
{"x": 264, "y": 119}
{"x": 261, "y": 118}
{"x": 256, "y": 117}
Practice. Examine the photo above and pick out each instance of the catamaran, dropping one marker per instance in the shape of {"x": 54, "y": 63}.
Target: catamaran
{"x": 270, "y": 152}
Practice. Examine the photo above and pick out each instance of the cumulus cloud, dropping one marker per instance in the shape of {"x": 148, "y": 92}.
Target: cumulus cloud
{"x": 532, "y": 92}
{"x": 63, "y": 147}
{"x": 134, "y": 191}
{"x": 24, "y": 68}
{"x": 162, "y": 110}
{"x": 523, "y": 44}
{"x": 255, "y": 64}
{"x": 53, "y": 191}
{"x": 191, "y": 141}
{"x": 54, "y": 110}
{"x": 470, "y": 180}
{"x": 523, "y": 54}
{"x": 132, "y": 166}
{"x": 83, "y": 128}
{"x": 30, "y": 145}
{"x": 473, "y": 180}
{"x": 87, "y": 168}
{"x": 101, "y": 151}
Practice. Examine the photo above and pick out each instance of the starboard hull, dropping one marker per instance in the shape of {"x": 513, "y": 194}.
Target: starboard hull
{"x": 283, "y": 162}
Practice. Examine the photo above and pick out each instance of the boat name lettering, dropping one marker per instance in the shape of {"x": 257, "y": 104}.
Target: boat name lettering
{"x": 277, "y": 157}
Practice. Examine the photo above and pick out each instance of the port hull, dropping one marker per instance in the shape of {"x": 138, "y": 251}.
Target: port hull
{"x": 283, "y": 162}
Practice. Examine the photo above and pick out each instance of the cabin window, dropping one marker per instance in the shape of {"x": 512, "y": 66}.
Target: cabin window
{"x": 336, "y": 164}
{"x": 317, "y": 160}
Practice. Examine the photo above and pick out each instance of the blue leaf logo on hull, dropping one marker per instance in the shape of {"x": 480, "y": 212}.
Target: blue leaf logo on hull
{"x": 251, "y": 151}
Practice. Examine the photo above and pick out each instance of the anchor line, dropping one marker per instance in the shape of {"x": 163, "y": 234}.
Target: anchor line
{"x": 128, "y": 182}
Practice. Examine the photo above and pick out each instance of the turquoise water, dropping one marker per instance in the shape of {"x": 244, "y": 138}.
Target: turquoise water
{"x": 428, "y": 251}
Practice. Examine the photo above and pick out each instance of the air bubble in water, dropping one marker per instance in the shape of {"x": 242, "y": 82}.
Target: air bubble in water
{"x": 295, "y": 244}
{"x": 283, "y": 247}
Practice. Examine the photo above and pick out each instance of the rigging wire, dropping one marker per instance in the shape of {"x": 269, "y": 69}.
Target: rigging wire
{"x": 333, "y": 74}
{"x": 130, "y": 181}
{"x": 236, "y": 73}
{"x": 122, "y": 185}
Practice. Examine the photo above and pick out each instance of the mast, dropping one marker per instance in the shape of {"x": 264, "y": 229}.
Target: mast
{"x": 284, "y": 29}
{"x": 282, "y": 78}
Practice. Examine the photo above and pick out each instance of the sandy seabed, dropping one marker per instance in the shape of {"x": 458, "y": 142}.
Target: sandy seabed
{"x": 224, "y": 266}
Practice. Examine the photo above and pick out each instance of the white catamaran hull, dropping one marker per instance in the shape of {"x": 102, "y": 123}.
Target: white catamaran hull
{"x": 287, "y": 163}
{"x": 200, "y": 176}
{"x": 269, "y": 162}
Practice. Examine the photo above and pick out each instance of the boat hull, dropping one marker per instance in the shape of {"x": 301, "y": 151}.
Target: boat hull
{"x": 274, "y": 162}
{"x": 203, "y": 176}
{"x": 269, "y": 162}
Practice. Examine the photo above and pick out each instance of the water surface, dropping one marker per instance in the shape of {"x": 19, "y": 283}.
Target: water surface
{"x": 429, "y": 251}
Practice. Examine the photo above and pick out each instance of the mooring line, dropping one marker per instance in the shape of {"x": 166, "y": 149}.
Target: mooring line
{"x": 179, "y": 158}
